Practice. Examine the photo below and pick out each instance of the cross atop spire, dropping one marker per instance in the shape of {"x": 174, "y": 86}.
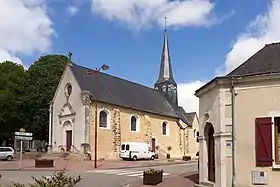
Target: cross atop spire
{"x": 70, "y": 63}
{"x": 165, "y": 22}
{"x": 69, "y": 56}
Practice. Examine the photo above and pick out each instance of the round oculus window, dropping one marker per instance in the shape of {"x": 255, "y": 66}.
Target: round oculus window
{"x": 68, "y": 90}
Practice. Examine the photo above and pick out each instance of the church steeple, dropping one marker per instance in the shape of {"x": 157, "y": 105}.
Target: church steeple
{"x": 166, "y": 83}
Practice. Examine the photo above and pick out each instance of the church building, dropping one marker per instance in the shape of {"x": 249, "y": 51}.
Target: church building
{"x": 125, "y": 112}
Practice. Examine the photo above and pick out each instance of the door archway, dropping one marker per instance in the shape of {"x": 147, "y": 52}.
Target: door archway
{"x": 209, "y": 132}
{"x": 153, "y": 144}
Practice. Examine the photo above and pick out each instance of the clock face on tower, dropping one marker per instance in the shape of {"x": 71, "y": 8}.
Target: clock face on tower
{"x": 169, "y": 87}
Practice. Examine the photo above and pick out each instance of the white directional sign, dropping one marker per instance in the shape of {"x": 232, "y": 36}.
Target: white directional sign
{"x": 23, "y": 134}
{"x": 23, "y": 138}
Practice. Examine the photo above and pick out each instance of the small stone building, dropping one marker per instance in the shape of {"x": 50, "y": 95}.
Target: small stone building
{"x": 126, "y": 111}
{"x": 254, "y": 86}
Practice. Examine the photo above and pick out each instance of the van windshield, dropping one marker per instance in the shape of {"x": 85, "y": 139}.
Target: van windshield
{"x": 123, "y": 146}
{"x": 127, "y": 147}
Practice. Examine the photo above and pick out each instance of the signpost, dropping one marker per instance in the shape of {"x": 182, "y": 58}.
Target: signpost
{"x": 22, "y": 135}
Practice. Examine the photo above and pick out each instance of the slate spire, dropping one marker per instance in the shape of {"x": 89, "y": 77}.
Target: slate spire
{"x": 165, "y": 72}
{"x": 166, "y": 82}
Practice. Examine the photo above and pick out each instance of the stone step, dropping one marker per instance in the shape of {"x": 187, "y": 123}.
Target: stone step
{"x": 205, "y": 184}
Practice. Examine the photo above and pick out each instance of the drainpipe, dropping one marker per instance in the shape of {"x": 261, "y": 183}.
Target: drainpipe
{"x": 184, "y": 140}
{"x": 50, "y": 146}
{"x": 233, "y": 136}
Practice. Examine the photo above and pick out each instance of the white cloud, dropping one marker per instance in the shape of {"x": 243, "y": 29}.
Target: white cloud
{"x": 263, "y": 30}
{"x": 28, "y": 32}
{"x": 141, "y": 13}
{"x": 72, "y": 10}
{"x": 6, "y": 56}
{"x": 186, "y": 97}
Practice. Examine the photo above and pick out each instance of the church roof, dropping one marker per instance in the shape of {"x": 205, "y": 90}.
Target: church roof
{"x": 184, "y": 116}
{"x": 191, "y": 116}
{"x": 117, "y": 91}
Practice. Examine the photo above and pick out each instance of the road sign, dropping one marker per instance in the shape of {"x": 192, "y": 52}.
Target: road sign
{"x": 23, "y": 138}
{"x": 23, "y": 134}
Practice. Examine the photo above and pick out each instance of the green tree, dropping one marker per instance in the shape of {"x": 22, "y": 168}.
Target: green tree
{"x": 12, "y": 78}
{"x": 42, "y": 80}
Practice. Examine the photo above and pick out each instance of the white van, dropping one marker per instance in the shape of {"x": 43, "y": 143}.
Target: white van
{"x": 136, "y": 150}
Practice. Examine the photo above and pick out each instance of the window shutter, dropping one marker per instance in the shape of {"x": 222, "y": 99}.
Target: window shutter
{"x": 263, "y": 135}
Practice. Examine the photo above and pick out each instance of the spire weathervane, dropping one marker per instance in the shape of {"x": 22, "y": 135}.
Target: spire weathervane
{"x": 165, "y": 23}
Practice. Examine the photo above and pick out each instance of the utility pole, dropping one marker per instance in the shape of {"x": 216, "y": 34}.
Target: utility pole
{"x": 233, "y": 137}
{"x": 96, "y": 95}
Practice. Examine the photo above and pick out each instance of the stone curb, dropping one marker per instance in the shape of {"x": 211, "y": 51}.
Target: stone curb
{"x": 121, "y": 167}
{"x": 32, "y": 169}
{"x": 148, "y": 165}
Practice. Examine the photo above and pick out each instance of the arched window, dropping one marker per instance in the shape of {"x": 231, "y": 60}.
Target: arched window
{"x": 103, "y": 119}
{"x": 164, "y": 128}
{"x": 133, "y": 125}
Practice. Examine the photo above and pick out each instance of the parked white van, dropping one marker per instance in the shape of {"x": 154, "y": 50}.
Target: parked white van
{"x": 136, "y": 150}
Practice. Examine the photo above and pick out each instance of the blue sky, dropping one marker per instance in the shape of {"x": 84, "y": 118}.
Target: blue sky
{"x": 195, "y": 51}
{"x": 206, "y": 38}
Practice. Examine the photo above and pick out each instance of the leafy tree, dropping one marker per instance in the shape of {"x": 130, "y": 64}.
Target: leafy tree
{"x": 12, "y": 77}
{"x": 42, "y": 80}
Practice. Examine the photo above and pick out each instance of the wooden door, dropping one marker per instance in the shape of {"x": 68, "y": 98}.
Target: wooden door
{"x": 211, "y": 155}
{"x": 68, "y": 140}
{"x": 153, "y": 144}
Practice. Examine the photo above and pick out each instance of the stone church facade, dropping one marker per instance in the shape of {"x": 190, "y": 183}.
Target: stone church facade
{"x": 126, "y": 111}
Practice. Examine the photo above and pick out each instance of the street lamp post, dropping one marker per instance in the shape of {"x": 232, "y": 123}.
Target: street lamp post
{"x": 96, "y": 94}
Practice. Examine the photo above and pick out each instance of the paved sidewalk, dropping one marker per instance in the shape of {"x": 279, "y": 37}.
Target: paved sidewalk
{"x": 74, "y": 165}
{"x": 185, "y": 180}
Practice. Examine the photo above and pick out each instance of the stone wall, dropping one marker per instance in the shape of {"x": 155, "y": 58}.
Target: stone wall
{"x": 179, "y": 139}
{"x": 150, "y": 126}
{"x": 187, "y": 145}
{"x": 116, "y": 128}
{"x": 148, "y": 129}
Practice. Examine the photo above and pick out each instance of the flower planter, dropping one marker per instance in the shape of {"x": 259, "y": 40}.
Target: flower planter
{"x": 186, "y": 158}
{"x": 152, "y": 179}
{"x": 44, "y": 163}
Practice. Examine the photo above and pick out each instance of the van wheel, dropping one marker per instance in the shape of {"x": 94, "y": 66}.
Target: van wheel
{"x": 9, "y": 158}
{"x": 152, "y": 157}
{"x": 134, "y": 158}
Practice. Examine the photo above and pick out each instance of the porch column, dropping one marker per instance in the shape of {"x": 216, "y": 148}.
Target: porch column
{"x": 50, "y": 127}
{"x": 203, "y": 159}
{"x": 221, "y": 167}
{"x": 86, "y": 101}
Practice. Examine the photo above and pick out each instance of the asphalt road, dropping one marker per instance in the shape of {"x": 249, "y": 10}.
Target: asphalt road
{"x": 100, "y": 178}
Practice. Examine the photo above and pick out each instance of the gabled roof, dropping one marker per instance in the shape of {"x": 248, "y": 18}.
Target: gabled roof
{"x": 191, "y": 116}
{"x": 183, "y": 116}
{"x": 125, "y": 93}
{"x": 266, "y": 61}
